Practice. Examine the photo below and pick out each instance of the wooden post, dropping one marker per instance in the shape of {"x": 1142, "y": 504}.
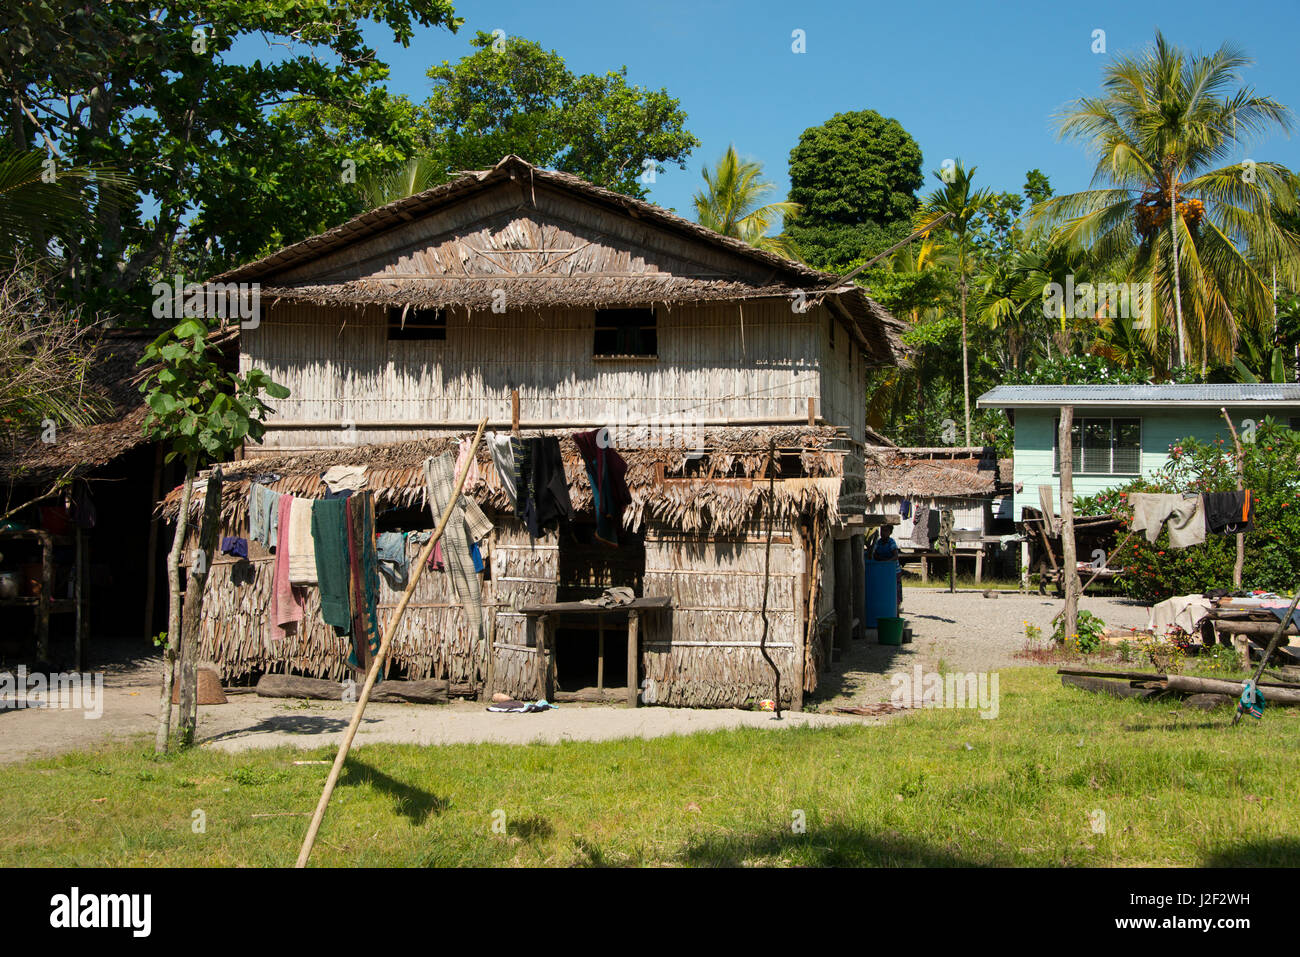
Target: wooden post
{"x": 600, "y": 652}
{"x": 843, "y": 595}
{"x": 1069, "y": 556}
{"x": 43, "y": 600}
{"x": 381, "y": 658}
{"x": 633, "y": 653}
{"x": 514, "y": 411}
{"x": 151, "y": 551}
{"x": 192, "y": 614}
{"x": 858, "y": 556}
{"x": 812, "y": 411}
{"x": 79, "y": 594}
{"x": 1241, "y": 466}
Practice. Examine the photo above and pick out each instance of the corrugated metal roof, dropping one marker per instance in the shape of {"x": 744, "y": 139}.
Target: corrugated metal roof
{"x": 1012, "y": 396}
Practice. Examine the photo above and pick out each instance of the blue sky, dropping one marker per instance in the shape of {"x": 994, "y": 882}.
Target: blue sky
{"x": 975, "y": 81}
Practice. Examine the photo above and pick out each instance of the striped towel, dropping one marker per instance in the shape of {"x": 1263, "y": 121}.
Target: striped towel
{"x": 302, "y": 550}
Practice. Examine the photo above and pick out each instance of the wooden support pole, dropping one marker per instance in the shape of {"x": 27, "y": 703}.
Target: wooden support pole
{"x": 812, "y": 411}
{"x": 1069, "y": 554}
{"x": 514, "y": 411}
{"x": 151, "y": 551}
{"x": 633, "y": 654}
{"x": 382, "y": 657}
{"x": 858, "y": 555}
{"x": 600, "y": 652}
{"x": 1241, "y": 466}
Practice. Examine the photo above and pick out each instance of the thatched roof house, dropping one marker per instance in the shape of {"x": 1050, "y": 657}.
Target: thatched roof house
{"x": 522, "y": 288}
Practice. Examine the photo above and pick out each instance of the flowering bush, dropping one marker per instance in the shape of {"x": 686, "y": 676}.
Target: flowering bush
{"x": 1153, "y": 572}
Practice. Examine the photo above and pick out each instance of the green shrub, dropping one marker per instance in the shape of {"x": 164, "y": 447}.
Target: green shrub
{"x": 1087, "y": 639}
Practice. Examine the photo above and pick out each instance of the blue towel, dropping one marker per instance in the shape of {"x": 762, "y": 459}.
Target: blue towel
{"x": 390, "y": 548}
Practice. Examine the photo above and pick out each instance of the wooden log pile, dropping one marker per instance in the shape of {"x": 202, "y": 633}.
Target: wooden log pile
{"x": 1198, "y": 692}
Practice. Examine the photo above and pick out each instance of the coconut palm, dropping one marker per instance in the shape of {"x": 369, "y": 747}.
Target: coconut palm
{"x": 1160, "y": 129}
{"x": 388, "y": 185}
{"x": 39, "y": 196}
{"x": 963, "y": 207}
{"x": 731, "y": 203}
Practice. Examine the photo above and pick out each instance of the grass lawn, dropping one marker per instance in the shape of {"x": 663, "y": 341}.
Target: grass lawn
{"x": 1176, "y": 786}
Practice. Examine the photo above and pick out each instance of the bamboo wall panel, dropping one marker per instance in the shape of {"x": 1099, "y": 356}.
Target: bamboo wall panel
{"x": 704, "y": 652}
{"x": 340, "y": 368}
{"x": 524, "y": 572}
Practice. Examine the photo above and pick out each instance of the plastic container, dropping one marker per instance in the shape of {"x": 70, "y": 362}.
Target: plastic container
{"x": 890, "y": 630}
{"x": 882, "y": 591}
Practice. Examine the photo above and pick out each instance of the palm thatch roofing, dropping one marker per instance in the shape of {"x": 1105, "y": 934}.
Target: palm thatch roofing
{"x": 726, "y": 488}
{"x": 875, "y": 328}
{"x": 114, "y": 376}
{"x": 943, "y": 472}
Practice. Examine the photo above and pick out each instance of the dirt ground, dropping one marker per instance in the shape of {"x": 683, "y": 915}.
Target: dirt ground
{"x": 963, "y": 632}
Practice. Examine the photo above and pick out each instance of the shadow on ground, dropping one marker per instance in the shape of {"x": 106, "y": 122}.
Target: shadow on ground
{"x": 1275, "y": 852}
{"x": 289, "y": 724}
{"x": 836, "y": 846}
{"x": 410, "y": 801}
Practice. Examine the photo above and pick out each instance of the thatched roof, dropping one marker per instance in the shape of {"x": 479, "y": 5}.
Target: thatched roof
{"x": 878, "y": 331}
{"x": 110, "y": 376}
{"x": 932, "y": 472}
{"x": 115, "y": 375}
{"x": 394, "y": 472}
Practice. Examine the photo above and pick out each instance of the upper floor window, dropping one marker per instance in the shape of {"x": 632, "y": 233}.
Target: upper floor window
{"x": 416, "y": 324}
{"x": 625, "y": 332}
{"x": 1101, "y": 446}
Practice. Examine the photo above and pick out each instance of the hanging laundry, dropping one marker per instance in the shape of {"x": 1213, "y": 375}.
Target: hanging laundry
{"x": 390, "y": 548}
{"x": 341, "y": 478}
{"x": 263, "y": 516}
{"x": 607, "y": 472}
{"x": 1229, "y": 513}
{"x": 921, "y": 527}
{"x": 302, "y": 551}
{"x": 329, "y": 533}
{"x": 1251, "y": 701}
{"x": 476, "y": 556}
{"x": 521, "y": 452}
{"x": 1185, "y": 514}
{"x": 548, "y": 489}
{"x": 904, "y": 509}
{"x": 286, "y": 601}
{"x": 232, "y": 545}
{"x": 363, "y": 583}
{"x": 503, "y": 457}
{"x": 466, "y": 524}
{"x": 465, "y": 447}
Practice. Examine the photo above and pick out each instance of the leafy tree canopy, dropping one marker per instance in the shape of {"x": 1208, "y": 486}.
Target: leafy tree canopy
{"x": 512, "y": 96}
{"x": 854, "y": 169}
{"x": 152, "y": 91}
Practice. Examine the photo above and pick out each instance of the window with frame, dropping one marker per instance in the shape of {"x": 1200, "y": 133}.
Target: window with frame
{"x": 1101, "y": 446}
{"x": 416, "y": 325}
{"x": 622, "y": 333}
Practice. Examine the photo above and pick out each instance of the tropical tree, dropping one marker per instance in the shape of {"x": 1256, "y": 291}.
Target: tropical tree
{"x": 731, "y": 203}
{"x": 1160, "y": 129}
{"x": 954, "y": 211}
{"x": 418, "y": 173}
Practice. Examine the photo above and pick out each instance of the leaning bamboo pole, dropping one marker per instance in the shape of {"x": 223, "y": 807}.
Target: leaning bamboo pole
{"x": 377, "y": 665}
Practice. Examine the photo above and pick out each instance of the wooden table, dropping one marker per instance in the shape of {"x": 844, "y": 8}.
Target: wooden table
{"x": 538, "y": 613}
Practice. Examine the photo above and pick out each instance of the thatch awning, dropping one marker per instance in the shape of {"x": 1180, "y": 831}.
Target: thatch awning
{"x": 932, "y": 473}
{"x": 394, "y": 472}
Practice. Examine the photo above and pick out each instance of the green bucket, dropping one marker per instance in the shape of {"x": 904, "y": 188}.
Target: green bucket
{"x": 890, "y": 630}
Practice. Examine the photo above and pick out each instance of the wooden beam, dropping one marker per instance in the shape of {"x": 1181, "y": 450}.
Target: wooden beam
{"x": 633, "y": 656}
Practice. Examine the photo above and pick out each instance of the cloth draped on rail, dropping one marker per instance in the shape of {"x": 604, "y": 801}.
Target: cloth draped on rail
{"x": 503, "y": 457}
{"x": 1229, "y": 513}
{"x": 541, "y": 487}
{"x": 1185, "y": 514}
{"x": 467, "y": 524}
{"x": 263, "y": 516}
{"x": 363, "y": 580}
{"x": 1185, "y": 612}
{"x": 302, "y": 551}
{"x": 286, "y": 601}
{"x": 329, "y": 532}
{"x": 607, "y": 472}
{"x": 345, "y": 478}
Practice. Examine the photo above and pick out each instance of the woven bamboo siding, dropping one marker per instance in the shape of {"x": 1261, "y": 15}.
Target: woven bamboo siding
{"x": 341, "y": 370}
{"x": 524, "y": 572}
{"x": 704, "y": 653}
{"x": 432, "y": 641}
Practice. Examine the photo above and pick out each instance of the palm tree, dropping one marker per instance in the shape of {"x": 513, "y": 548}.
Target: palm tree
{"x": 1163, "y": 123}
{"x": 962, "y": 207}
{"x": 388, "y": 185}
{"x": 39, "y": 197}
{"x": 730, "y": 204}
